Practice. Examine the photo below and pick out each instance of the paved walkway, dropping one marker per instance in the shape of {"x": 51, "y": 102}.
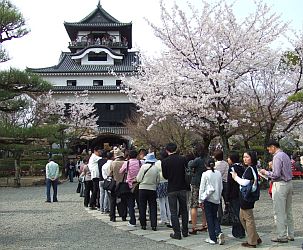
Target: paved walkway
{"x": 196, "y": 242}
{"x": 27, "y": 222}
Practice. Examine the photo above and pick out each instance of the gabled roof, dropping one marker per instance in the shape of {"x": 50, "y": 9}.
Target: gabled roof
{"x": 99, "y": 15}
{"x": 97, "y": 19}
{"x": 67, "y": 66}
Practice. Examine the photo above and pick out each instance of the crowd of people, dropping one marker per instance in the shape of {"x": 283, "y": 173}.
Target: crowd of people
{"x": 215, "y": 186}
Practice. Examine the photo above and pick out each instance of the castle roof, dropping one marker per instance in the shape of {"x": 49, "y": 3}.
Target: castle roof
{"x": 98, "y": 19}
{"x": 68, "y": 65}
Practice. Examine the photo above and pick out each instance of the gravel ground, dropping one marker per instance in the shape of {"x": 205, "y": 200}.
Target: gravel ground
{"x": 264, "y": 214}
{"x": 27, "y": 222}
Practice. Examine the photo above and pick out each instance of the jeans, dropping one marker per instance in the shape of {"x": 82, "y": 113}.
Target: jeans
{"x": 93, "y": 198}
{"x": 214, "y": 229}
{"x": 131, "y": 208}
{"x": 238, "y": 230}
{"x": 175, "y": 198}
{"x": 88, "y": 189}
{"x": 104, "y": 200}
{"x": 164, "y": 209}
{"x": 54, "y": 184}
{"x": 71, "y": 175}
{"x": 150, "y": 197}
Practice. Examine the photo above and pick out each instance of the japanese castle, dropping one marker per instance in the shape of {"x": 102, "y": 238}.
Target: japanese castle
{"x": 99, "y": 45}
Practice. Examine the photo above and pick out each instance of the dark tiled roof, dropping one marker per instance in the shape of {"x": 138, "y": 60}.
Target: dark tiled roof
{"x": 89, "y": 88}
{"x": 99, "y": 19}
{"x": 99, "y": 15}
{"x": 97, "y": 25}
{"x": 67, "y": 65}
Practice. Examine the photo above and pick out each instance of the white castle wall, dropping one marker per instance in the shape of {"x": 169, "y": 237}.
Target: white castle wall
{"x": 81, "y": 80}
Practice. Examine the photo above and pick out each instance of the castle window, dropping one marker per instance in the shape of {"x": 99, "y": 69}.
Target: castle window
{"x": 97, "y": 57}
{"x": 111, "y": 107}
{"x": 118, "y": 83}
{"x": 97, "y": 82}
{"x": 71, "y": 82}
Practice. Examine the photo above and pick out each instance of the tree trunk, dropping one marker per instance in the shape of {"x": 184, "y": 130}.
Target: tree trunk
{"x": 225, "y": 143}
{"x": 268, "y": 133}
{"x": 246, "y": 144}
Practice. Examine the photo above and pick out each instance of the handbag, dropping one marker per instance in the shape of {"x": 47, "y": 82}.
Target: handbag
{"x": 208, "y": 190}
{"x": 122, "y": 188}
{"x": 251, "y": 192}
{"x": 135, "y": 187}
{"x": 109, "y": 184}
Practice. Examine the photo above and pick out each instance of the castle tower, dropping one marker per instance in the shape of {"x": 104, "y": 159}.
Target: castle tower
{"x": 99, "y": 45}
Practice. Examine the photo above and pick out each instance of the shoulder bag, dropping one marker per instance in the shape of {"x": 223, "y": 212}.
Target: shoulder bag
{"x": 122, "y": 188}
{"x": 135, "y": 187}
{"x": 109, "y": 184}
{"x": 251, "y": 192}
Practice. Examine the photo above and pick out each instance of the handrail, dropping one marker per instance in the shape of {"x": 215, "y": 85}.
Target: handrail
{"x": 113, "y": 130}
{"x": 107, "y": 43}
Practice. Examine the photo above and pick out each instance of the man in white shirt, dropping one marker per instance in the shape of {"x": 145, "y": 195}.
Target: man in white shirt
{"x": 95, "y": 175}
{"x": 105, "y": 172}
{"x": 52, "y": 175}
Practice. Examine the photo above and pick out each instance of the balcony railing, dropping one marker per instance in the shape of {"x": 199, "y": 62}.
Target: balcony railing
{"x": 75, "y": 44}
{"x": 113, "y": 130}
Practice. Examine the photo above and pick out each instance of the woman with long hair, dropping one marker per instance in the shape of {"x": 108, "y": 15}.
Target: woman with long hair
{"x": 246, "y": 207}
{"x": 232, "y": 194}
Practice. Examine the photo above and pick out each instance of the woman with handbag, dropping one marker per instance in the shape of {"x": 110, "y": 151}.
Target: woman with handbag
{"x": 115, "y": 201}
{"x": 148, "y": 177}
{"x": 247, "y": 219}
{"x": 131, "y": 168}
{"x": 209, "y": 196}
{"x": 232, "y": 194}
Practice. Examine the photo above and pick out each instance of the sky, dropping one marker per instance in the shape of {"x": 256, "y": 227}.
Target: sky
{"x": 48, "y": 37}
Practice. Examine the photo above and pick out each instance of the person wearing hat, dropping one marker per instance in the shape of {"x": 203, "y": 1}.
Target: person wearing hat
{"x": 281, "y": 176}
{"x": 120, "y": 203}
{"x": 148, "y": 177}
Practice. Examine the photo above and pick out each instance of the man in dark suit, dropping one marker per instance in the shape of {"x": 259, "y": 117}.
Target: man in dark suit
{"x": 173, "y": 169}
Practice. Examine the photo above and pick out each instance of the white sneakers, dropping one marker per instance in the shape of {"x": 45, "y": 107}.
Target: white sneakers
{"x": 208, "y": 240}
{"x": 221, "y": 239}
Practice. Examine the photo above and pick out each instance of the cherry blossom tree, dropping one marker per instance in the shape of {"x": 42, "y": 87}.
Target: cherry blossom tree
{"x": 267, "y": 101}
{"x": 77, "y": 114}
{"x": 208, "y": 54}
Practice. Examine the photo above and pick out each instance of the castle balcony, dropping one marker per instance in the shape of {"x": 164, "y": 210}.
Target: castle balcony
{"x": 74, "y": 45}
{"x": 113, "y": 130}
